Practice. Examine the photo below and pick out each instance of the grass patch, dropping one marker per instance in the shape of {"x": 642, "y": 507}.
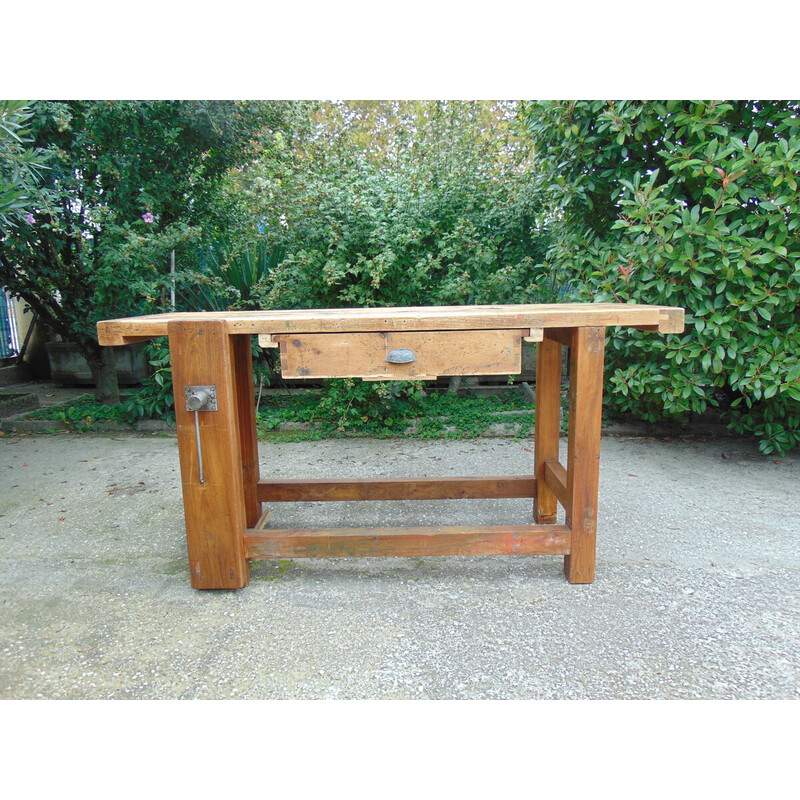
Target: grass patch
{"x": 271, "y": 569}
{"x": 81, "y": 413}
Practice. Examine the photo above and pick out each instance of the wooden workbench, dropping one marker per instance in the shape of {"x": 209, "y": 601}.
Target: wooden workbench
{"x": 215, "y": 415}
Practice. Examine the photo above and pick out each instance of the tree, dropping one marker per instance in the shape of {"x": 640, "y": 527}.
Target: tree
{"x": 128, "y": 181}
{"x": 691, "y": 204}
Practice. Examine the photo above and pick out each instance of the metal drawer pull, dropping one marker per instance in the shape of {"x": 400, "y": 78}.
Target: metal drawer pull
{"x": 400, "y": 356}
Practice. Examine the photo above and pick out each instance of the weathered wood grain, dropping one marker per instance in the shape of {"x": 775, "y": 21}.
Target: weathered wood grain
{"x": 583, "y": 451}
{"x": 246, "y": 414}
{"x": 425, "y": 541}
{"x": 665, "y": 319}
{"x": 215, "y": 509}
{"x": 547, "y": 424}
{"x": 363, "y": 355}
{"x": 449, "y": 488}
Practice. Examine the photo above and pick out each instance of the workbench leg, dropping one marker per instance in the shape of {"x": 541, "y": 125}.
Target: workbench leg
{"x": 583, "y": 450}
{"x": 248, "y": 436}
{"x": 548, "y": 423}
{"x": 203, "y": 354}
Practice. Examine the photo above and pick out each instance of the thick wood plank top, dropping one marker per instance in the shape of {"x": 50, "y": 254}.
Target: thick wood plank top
{"x": 665, "y": 319}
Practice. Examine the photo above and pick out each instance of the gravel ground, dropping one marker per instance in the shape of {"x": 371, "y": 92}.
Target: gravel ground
{"x": 696, "y": 594}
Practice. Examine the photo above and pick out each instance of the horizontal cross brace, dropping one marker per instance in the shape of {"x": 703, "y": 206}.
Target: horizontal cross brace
{"x": 449, "y": 488}
{"x": 417, "y": 542}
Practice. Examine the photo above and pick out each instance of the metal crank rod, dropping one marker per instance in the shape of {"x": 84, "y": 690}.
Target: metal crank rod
{"x": 200, "y": 398}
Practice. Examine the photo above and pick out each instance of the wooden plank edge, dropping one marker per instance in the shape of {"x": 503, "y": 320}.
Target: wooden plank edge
{"x": 109, "y": 335}
{"x": 405, "y": 542}
{"x": 448, "y": 488}
{"x": 671, "y": 320}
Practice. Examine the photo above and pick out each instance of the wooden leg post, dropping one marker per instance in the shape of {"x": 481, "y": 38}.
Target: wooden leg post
{"x": 216, "y": 511}
{"x": 583, "y": 450}
{"x": 548, "y": 421}
{"x": 248, "y": 436}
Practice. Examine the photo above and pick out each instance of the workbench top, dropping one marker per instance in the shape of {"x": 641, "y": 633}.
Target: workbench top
{"x": 664, "y": 319}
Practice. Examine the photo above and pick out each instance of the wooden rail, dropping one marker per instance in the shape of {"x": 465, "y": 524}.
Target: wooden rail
{"x": 449, "y": 488}
{"x": 427, "y": 541}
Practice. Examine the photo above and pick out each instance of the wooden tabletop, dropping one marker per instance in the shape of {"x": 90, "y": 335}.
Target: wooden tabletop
{"x": 664, "y": 319}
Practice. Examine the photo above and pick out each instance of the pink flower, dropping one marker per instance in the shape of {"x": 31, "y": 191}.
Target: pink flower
{"x": 148, "y": 217}
{"x": 29, "y": 218}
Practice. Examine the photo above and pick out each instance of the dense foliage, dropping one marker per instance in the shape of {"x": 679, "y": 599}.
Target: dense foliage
{"x": 690, "y": 204}
{"x": 400, "y": 204}
{"x": 127, "y": 182}
{"x": 302, "y": 204}
{"x": 21, "y": 165}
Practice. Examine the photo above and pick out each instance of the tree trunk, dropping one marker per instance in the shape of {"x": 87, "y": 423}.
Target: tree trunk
{"x": 103, "y": 363}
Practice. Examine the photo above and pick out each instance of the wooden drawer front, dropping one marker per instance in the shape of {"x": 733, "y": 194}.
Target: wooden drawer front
{"x": 363, "y": 355}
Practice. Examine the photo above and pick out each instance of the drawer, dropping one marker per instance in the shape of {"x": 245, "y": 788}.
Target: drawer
{"x": 424, "y": 355}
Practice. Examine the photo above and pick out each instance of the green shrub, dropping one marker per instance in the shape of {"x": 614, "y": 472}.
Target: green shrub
{"x": 81, "y": 413}
{"x": 431, "y": 204}
{"x": 155, "y": 399}
{"x": 362, "y": 405}
{"x": 694, "y": 205}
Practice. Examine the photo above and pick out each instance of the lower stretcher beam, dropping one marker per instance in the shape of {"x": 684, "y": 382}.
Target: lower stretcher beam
{"x": 426, "y": 541}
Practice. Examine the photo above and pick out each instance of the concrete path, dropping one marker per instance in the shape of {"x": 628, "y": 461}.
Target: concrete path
{"x": 696, "y": 594}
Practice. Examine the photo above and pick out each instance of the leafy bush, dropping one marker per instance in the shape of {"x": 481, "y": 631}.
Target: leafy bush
{"x": 21, "y": 166}
{"x": 695, "y": 205}
{"x": 429, "y": 204}
{"x": 81, "y": 414}
{"x": 355, "y": 404}
{"x": 155, "y": 399}
{"x": 229, "y": 276}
